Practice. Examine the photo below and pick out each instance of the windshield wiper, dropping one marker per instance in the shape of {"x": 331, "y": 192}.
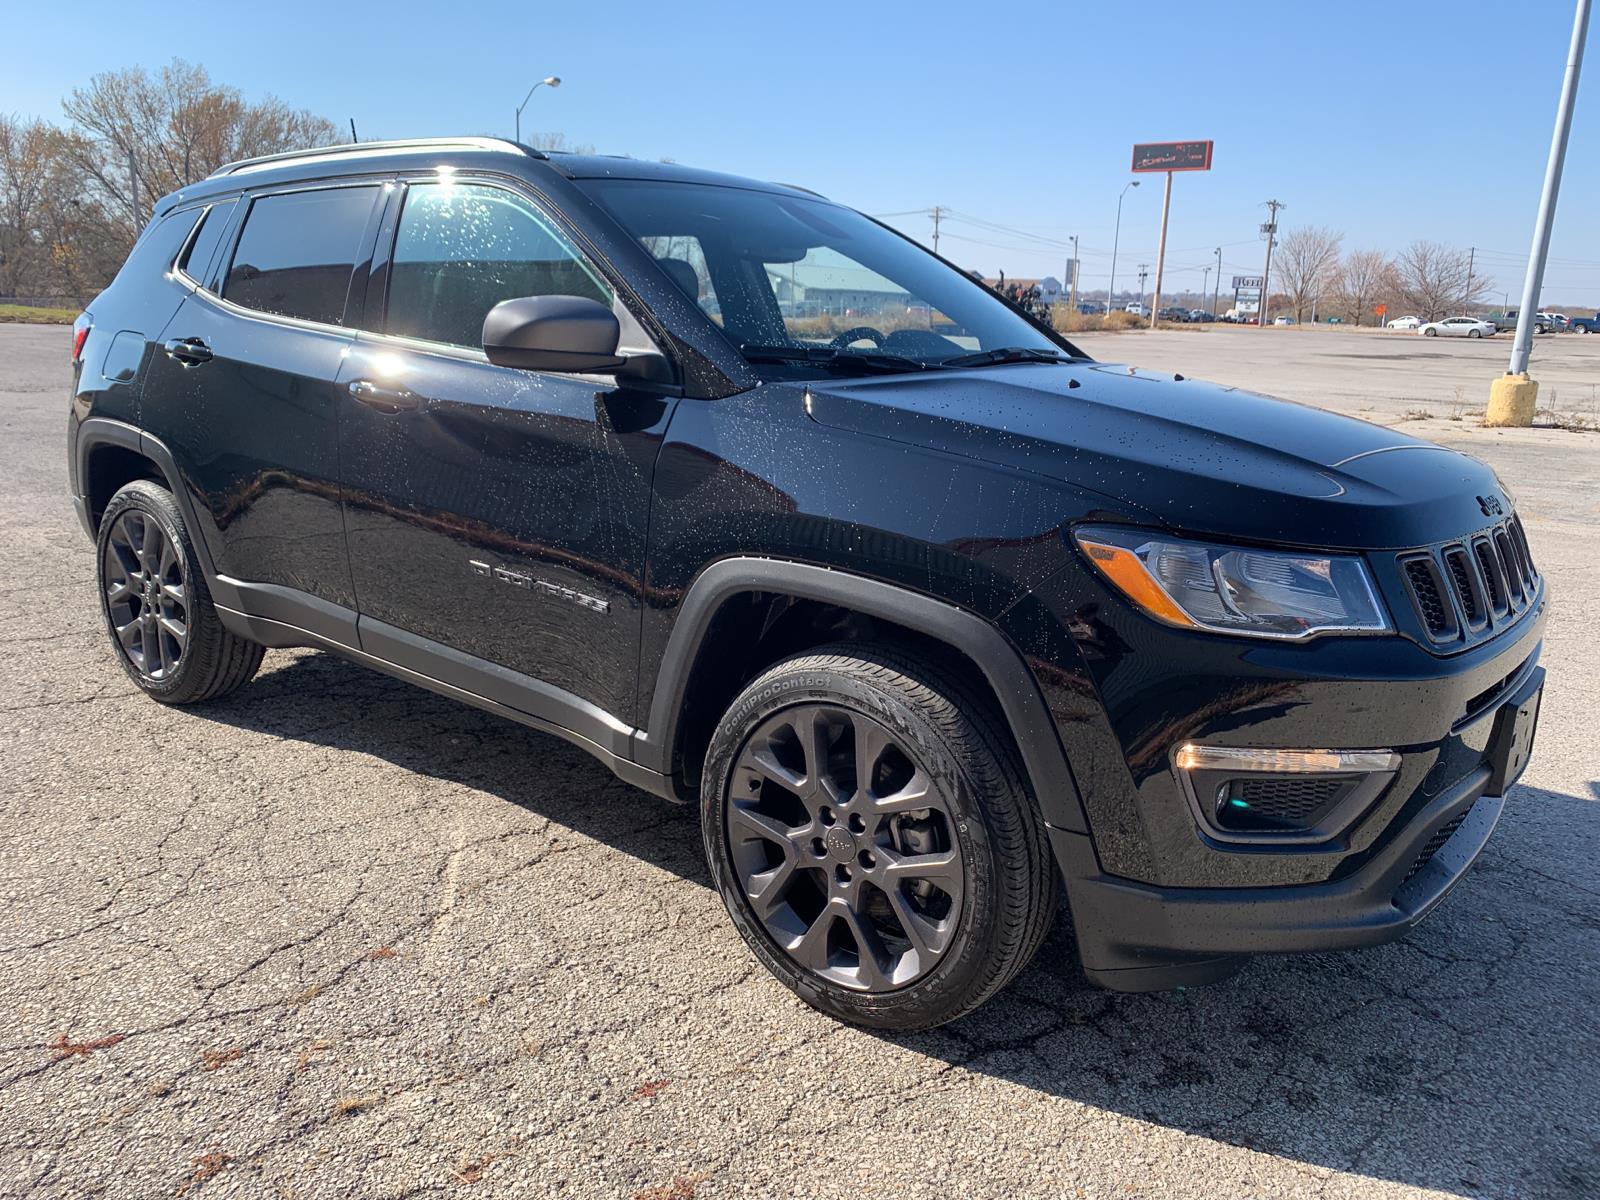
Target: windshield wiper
{"x": 832, "y": 359}
{"x": 1005, "y": 354}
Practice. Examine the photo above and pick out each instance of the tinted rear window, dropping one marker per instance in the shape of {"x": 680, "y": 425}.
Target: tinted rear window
{"x": 204, "y": 246}
{"x": 297, "y": 251}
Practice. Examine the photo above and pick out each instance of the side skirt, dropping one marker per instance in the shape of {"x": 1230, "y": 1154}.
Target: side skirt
{"x": 449, "y": 673}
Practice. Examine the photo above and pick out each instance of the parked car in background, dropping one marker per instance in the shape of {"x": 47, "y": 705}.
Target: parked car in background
{"x": 1585, "y": 324}
{"x": 1469, "y": 327}
{"x": 1543, "y": 322}
{"x": 1173, "y": 313}
{"x": 1283, "y": 320}
{"x": 1090, "y": 310}
{"x": 454, "y": 409}
{"x": 1200, "y": 316}
{"x": 1405, "y": 323}
{"x": 1137, "y": 309}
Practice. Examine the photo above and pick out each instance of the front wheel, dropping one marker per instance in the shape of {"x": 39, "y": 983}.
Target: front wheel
{"x": 1430, "y": 333}
{"x": 872, "y": 836}
{"x": 156, "y": 605}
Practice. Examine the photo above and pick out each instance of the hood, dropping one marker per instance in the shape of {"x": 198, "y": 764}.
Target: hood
{"x": 1200, "y": 458}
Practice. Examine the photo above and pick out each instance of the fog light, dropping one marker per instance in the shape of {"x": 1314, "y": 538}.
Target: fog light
{"x": 1282, "y": 762}
{"x": 1242, "y": 794}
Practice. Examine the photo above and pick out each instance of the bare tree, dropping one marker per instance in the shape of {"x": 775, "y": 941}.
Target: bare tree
{"x": 1437, "y": 279}
{"x": 146, "y": 135}
{"x": 1363, "y": 279}
{"x": 1304, "y": 265}
{"x": 27, "y": 151}
{"x": 557, "y": 142}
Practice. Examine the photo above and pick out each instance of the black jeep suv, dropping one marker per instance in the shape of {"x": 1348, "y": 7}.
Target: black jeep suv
{"x": 776, "y": 513}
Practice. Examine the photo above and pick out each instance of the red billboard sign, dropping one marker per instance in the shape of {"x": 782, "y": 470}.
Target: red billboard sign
{"x": 1172, "y": 156}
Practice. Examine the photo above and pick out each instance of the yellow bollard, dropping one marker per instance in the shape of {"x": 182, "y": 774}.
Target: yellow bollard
{"x": 1512, "y": 400}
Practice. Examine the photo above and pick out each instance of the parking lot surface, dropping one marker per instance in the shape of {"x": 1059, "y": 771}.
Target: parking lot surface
{"x": 335, "y": 936}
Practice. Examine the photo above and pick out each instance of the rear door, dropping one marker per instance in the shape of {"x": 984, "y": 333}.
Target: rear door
{"x": 496, "y": 513}
{"x": 245, "y": 397}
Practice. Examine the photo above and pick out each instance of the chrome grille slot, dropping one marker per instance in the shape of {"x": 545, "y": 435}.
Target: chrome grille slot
{"x": 1512, "y": 569}
{"x": 1428, "y": 593}
{"x": 1466, "y": 585}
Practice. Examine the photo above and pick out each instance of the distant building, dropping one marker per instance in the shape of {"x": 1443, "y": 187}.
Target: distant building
{"x": 813, "y": 289}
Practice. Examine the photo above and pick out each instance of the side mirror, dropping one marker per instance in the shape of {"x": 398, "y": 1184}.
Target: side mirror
{"x": 553, "y": 333}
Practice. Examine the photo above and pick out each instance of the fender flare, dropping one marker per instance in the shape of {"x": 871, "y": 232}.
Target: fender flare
{"x": 94, "y": 432}
{"x": 1021, "y": 702}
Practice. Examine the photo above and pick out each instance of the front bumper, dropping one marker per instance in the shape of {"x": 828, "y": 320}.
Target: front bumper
{"x": 1139, "y": 937}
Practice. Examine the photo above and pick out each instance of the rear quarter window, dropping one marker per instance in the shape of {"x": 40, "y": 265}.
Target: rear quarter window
{"x": 196, "y": 261}
{"x": 297, "y": 251}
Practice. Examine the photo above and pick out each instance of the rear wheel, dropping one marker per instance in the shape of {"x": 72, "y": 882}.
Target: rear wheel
{"x": 1474, "y": 333}
{"x": 871, "y": 834}
{"x": 156, "y": 605}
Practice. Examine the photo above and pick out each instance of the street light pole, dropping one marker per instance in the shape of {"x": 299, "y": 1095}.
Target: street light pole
{"x": 1513, "y": 398}
{"x": 1111, "y": 291}
{"x": 1533, "y": 284}
{"x": 548, "y": 81}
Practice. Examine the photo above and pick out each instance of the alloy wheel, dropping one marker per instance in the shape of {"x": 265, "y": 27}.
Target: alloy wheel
{"x": 844, "y": 847}
{"x": 146, "y": 594}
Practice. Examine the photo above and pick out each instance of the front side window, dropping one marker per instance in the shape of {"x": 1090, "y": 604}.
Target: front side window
{"x": 462, "y": 248}
{"x": 297, "y": 252}
{"x": 802, "y": 286}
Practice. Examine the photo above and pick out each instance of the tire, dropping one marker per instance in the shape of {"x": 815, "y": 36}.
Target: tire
{"x": 151, "y": 588}
{"x": 938, "y": 876}
{"x": 1430, "y": 333}
{"x": 1474, "y": 333}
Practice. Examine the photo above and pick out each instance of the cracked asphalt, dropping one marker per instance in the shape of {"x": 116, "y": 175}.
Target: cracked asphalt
{"x": 335, "y": 936}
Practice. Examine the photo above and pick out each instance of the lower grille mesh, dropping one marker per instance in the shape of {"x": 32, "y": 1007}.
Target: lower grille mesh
{"x": 1436, "y": 843}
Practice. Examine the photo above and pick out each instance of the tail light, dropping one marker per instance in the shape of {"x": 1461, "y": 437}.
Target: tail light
{"x": 80, "y": 334}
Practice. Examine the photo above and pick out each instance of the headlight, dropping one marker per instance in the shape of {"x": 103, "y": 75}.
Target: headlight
{"x": 1235, "y": 589}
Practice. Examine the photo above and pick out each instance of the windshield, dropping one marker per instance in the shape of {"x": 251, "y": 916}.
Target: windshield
{"x": 804, "y": 287}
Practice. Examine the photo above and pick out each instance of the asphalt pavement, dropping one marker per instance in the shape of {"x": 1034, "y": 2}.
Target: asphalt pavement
{"x": 335, "y": 936}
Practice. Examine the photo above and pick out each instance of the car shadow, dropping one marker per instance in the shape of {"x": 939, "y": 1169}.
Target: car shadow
{"x": 1459, "y": 1059}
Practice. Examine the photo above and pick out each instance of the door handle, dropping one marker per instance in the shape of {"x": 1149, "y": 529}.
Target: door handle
{"x": 191, "y": 352}
{"x": 383, "y": 399}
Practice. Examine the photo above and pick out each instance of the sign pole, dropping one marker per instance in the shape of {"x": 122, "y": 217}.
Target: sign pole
{"x": 1167, "y": 157}
{"x": 1161, "y": 250}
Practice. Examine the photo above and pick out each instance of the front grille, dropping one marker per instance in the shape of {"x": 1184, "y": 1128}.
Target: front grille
{"x": 1475, "y": 586}
{"x": 1436, "y": 843}
{"x": 1290, "y": 799}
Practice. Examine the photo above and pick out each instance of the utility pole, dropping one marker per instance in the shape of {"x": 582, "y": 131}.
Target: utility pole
{"x": 1270, "y": 228}
{"x": 1074, "y": 302}
{"x": 1161, "y": 250}
{"x": 1216, "y": 299}
{"x": 133, "y": 184}
{"x": 1466, "y": 301}
{"x": 1144, "y": 272}
{"x": 937, "y": 213}
{"x": 1205, "y": 286}
{"x": 1514, "y": 396}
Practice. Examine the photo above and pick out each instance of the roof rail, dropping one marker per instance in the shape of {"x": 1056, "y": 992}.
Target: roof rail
{"x": 348, "y": 149}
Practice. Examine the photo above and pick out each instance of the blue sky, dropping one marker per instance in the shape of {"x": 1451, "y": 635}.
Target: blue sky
{"x": 1387, "y": 121}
